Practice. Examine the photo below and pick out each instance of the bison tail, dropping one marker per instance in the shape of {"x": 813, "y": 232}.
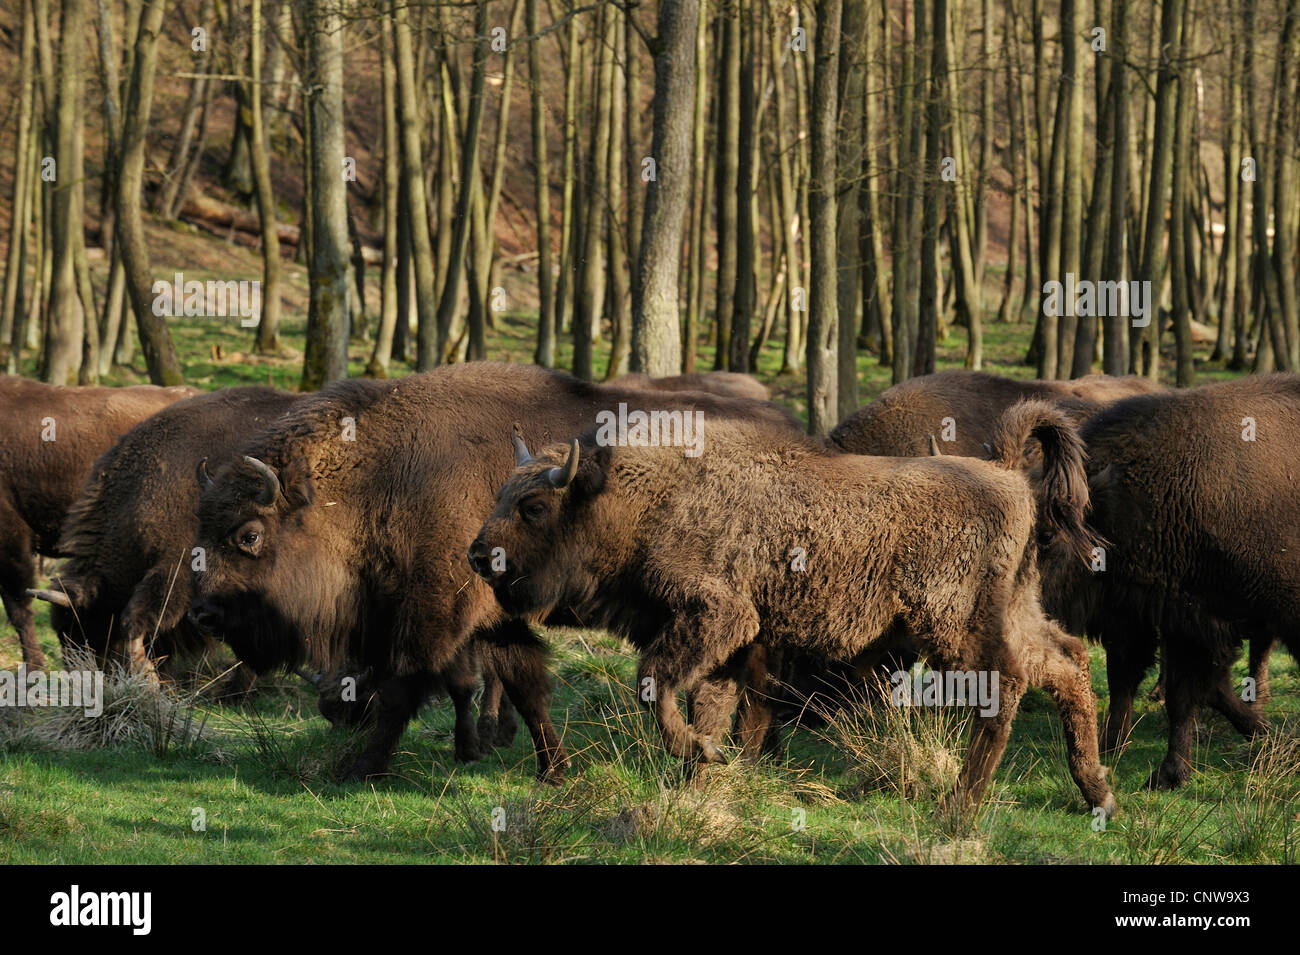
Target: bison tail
{"x": 1061, "y": 484}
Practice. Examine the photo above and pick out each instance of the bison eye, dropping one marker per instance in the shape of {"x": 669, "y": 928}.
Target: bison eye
{"x": 250, "y": 542}
{"x": 532, "y": 510}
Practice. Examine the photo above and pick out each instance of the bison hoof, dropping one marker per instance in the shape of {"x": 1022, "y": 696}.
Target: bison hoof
{"x": 709, "y": 752}
{"x": 1168, "y": 777}
{"x": 505, "y": 734}
{"x": 362, "y": 770}
{"x": 1108, "y": 805}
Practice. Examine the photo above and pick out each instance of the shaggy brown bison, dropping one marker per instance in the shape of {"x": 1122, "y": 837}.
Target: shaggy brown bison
{"x": 128, "y": 537}
{"x": 960, "y": 409}
{"x": 340, "y": 535}
{"x": 769, "y": 536}
{"x": 1195, "y": 493}
{"x": 51, "y": 437}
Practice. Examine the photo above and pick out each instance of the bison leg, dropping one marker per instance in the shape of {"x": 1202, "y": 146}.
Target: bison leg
{"x": 1260, "y": 648}
{"x": 757, "y": 733}
{"x": 1063, "y": 672}
{"x": 518, "y": 657}
{"x": 1128, "y": 658}
{"x": 1189, "y": 683}
{"x": 461, "y": 680}
{"x": 1248, "y": 719}
{"x": 496, "y": 722}
{"x": 397, "y": 701}
{"x": 17, "y": 576}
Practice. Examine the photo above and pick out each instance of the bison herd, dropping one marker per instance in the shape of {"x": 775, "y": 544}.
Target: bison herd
{"x": 400, "y": 538}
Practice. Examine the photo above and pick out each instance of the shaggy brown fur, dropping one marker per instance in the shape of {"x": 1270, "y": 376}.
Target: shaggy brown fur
{"x": 728, "y": 384}
{"x": 1202, "y": 548}
{"x": 690, "y": 559}
{"x": 901, "y": 421}
{"x": 356, "y": 553}
{"x": 128, "y": 536}
{"x": 40, "y": 479}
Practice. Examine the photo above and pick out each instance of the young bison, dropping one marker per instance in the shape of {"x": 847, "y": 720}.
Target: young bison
{"x": 690, "y": 558}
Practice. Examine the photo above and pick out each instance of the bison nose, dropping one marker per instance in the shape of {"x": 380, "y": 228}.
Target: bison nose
{"x": 204, "y": 617}
{"x": 479, "y": 558}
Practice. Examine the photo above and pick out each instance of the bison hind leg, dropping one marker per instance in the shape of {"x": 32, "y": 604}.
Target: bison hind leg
{"x": 18, "y": 575}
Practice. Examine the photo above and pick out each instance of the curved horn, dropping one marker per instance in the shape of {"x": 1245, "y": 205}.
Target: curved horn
{"x": 562, "y": 477}
{"x": 204, "y": 478}
{"x": 51, "y": 596}
{"x": 313, "y": 678}
{"x": 270, "y": 483}
{"x": 522, "y": 456}
{"x": 934, "y": 448}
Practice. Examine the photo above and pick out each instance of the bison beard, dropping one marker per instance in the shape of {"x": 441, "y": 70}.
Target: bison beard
{"x": 51, "y": 437}
{"x": 689, "y": 559}
{"x": 340, "y": 537}
{"x": 1200, "y": 514}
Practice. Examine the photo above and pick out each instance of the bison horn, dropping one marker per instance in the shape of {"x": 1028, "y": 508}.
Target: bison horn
{"x": 563, "y": 477}
{"x": 934, "y": 448}
{"x": 313, "y": 678}
{"x": 51, "y": 596}
{"x": 270, "y": 483}
{"x": 522, "y": 456}
{"x": 201, "y": 472}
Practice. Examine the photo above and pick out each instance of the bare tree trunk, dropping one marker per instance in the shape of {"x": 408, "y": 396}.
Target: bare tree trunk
{"x": 1184, "y": 165}
{"x": 564, "y": 286}
{"x": 936, "y": 91}
{"x": 792, "y": 354}
{"x": 852, "y": 147}
{"x": 1284, "y": 189}
{"x": 269, "y": 325}
{"x": 1085, "y": 342}
{"x": 699, "y": 198}
{"x": 1115, "y": 361}
{"x": 388, "y": 310}
{"x": 64, "y": 332}
{"x": 590, "y": 304}
{"x": 823, "y": 322}
{"x": 744, "y": 292}
{"x": 155, "y": 339}
{"x": 170, "y": 197}
{"x": 620, "y": 299}
{"x": 633, "y": 151}
{"x": 728, "y": 176}
{"x": 325, "y": 357}
{"x": 655, "y": 337}
{"x": 904, "y": 240}
{"x": 15, "y": 263}
{"x": 545, "y": 354}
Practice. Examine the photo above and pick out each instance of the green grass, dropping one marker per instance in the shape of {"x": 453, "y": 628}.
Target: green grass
{"x": 263, "y": 776}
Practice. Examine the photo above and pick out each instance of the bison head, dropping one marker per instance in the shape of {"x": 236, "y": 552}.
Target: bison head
{"x": 525, "y": 550}
{"x": 248, "y": 515}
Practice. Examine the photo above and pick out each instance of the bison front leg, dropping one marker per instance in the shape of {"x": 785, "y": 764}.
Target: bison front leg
{"x": 17, "y": 576}
{"x": 1247, "y": 718}
{"x": 698, "y": 642}
{"x": 1260, "y": 649}
{"x": 396, "y": 703}
{"x": 1063, "y": 672}
{"x": 461, "y": 680}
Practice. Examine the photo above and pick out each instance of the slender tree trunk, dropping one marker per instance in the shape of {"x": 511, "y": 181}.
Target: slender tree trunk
{"x": 1183, "y": 170}
{"x": 744, "y": 292}
{"x": 155, "y": 339}
{"x": 1284, "y": 263}
{"x": 388, "y": 310}
{"x": 545, "y": 354}
{"x": 1115, "y": 360}
{"x": 728, "y": 176}
{"x": 15, "y": 263}
{"x": 1085, "y": 342}
{"x": 823, "y": 322}
{"x": 268, "y": 327}
{"x": 590, "y": 305}
{"x": 699, "y": 197}
{"x": 620, "y": 298}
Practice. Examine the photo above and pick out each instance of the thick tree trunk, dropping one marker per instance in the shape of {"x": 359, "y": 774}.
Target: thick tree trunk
{"x": 325, "y": 357}
{"x": 1115, "y": 339}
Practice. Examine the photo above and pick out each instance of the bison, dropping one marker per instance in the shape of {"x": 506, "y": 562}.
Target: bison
{"x": 729, "y": 384}
{"x": 129, "y": 535}
{"x": 960, "y": 408}
{"x": 1195, "y": 493}
{"x": 52, "y": 436}
{"x": 691, "y": 560}
{"x": 339, "y": 535}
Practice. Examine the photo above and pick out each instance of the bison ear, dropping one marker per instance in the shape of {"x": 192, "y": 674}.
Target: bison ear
{"x": 296, "y": 483}
{"x": 593, "y": 469}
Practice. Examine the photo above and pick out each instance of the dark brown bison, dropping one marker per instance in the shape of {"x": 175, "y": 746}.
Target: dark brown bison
{"x": 128, "y": 537}
{"x": 1195, "y": 493}
{"x": 51, "y": 437}
{"x": 340, "y": 536}
{"x": 729, "y": 384}
{"x": 694, "y": 560}
{"x": 960, "y": 408}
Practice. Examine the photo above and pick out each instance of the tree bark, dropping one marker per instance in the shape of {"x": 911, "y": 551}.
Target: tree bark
{"x": 823, "y": 321}
{"x": 268, "y": 327}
